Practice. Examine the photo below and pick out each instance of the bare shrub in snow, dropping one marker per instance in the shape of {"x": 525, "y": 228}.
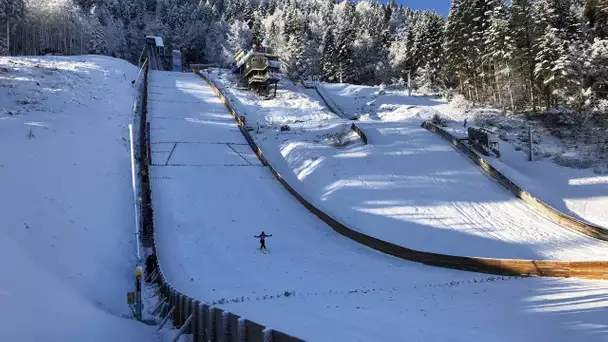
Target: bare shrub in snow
{"x": 576, "y": 162}
{"x": 27, "y": 100}
{"x": 341, "y": 139}
{"x": 439, "y": 120}
{"x": 460, "y": 102}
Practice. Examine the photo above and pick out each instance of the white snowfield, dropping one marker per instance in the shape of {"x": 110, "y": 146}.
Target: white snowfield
{"x": 578, "y": 192}
{"x": 67, "y": 242}
{"x": 211, "y": 196}
{"x": 411, "y": 188}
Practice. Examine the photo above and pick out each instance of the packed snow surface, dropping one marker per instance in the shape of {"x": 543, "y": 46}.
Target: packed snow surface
{"x": 211, "y": 196}
{"x": 411, "y": 188}
{"x": 67, "y": 242}
{"x": 580, "y": 192}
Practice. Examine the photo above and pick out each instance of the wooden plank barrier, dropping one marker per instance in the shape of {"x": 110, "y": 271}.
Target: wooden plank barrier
{"x": 547, "y": 268}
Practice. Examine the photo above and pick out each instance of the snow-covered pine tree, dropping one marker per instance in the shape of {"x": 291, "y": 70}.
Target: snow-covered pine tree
{"x": 11, "y": 12}
{"x": 273, "y": 30}
{"x": 457, "y": 45}
{"x": 329, "y": 71}
{"x": 498, "y": 55}
{"x": 368, "y": 53}
{"x": 214, "y": 42}
{"x": 327, "y": 12}
{"x": 233, "y": 11}
{"x": 196, "y": 33}
{"x": 346, "y": 33}
{"x": 558, "y": 58}
{"x": 401, "y": 55}
{"x": 480, "y": 12}
{"x": 293, "y": 51}
{"x": 239, "y": 37}
{"x": 248, "y": 10}
{"x": 135, "y": 23}
{"x": 272, "y": 6}
{"x": 257, "y": 32}
{"x": 428, "y": 54}
{"x": 98, "y": 43}
{"x": 524, "y": 32}
{"x": 315, "y": 30}
{"x": 596, "y": 13}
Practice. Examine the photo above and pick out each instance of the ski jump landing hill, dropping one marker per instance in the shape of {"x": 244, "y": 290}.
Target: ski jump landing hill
{"x": 212, "y": 192}
{"x": 583, "y": 269}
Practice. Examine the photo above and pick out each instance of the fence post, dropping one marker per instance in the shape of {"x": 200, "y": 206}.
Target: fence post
{"x": 196, "y": 324}
{"x": 242, "y": 330}
{"x": 202, "y": 319}
{"x": 267, "y": 335}
{"x": 139, "y": 271}
{"x": 225, "y": 334}
{"x": 211, "y": 331}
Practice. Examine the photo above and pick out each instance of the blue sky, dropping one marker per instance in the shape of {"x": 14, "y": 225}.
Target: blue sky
{"x": 442, "y": 7}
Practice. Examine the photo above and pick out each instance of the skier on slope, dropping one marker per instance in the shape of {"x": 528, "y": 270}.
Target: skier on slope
{"x": 262, "y": 238}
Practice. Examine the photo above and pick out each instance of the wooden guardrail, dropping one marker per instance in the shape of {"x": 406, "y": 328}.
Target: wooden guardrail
{"x": 532, "y": 202}
{"x": 579, "y": 269}
{"x": 204, "y": 322}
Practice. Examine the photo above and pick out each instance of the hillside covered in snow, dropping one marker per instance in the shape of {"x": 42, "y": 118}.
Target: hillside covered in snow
{"x": 67, "y": 242}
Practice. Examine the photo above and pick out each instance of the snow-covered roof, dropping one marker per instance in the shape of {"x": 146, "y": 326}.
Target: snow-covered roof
{"x": 157, "y": 40}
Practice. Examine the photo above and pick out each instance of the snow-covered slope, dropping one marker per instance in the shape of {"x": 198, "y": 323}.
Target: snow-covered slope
{"x": 380, "y": 103}
{"x": 581, "y": 193}
{"x": 211, "y": 196}
{"x": 411, "y": 188}
{"x": 67, "y": 243}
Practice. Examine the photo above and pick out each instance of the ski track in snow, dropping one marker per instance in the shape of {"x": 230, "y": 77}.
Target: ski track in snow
{"x": 206, "y": 217}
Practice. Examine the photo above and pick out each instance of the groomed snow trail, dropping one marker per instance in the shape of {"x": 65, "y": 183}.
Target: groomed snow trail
{"x": 211, "y": 196}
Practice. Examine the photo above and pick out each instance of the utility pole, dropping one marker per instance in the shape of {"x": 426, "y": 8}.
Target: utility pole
{"x": 530, "y": 152}
{"x": 409, "y": 83}
{"x": 8, "y": 35}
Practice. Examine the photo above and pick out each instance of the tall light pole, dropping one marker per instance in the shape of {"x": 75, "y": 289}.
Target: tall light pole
{"x": 8, "y": 33}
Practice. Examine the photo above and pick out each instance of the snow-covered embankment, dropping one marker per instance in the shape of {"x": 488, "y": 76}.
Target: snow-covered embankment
{"x": 67, "y": 242}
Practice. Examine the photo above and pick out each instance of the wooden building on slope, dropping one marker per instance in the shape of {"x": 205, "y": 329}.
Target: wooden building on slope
{"x": 259, "y": 68}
